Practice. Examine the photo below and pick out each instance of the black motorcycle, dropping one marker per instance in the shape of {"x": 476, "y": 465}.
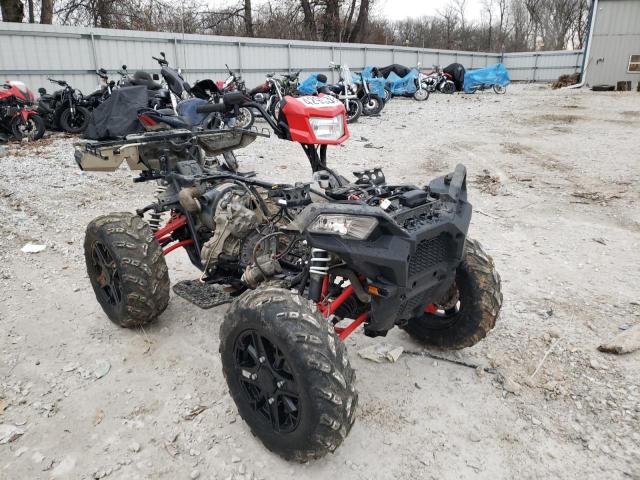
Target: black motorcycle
{"x": 64, "y": 109}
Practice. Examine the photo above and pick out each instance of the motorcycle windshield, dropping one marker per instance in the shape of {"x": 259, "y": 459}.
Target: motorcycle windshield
{"x": 24, "y": 93}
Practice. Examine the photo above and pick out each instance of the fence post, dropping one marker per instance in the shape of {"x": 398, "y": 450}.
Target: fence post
{"x": 289, "y": 57}
{"x": 333, "y": 59}
{"x": 535, "y": 66}
{"x": 365, "y": 57}
{"x": 240, "y": 58}
{"x": 93, "y": 52}
{"x": 175, "y": 52}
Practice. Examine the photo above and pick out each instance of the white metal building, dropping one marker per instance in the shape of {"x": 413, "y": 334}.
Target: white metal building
{"x": 613, "y": 51}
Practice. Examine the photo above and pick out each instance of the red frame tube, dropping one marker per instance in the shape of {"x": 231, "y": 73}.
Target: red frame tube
{"x": 177, "y": 245}
{"x": 163, "y": 235}
{"x": 343, "y": 333}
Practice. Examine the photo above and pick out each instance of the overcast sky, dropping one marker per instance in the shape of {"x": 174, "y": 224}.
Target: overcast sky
{"x": 397, "y": 9}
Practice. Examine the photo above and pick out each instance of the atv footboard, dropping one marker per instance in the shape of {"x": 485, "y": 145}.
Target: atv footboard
{"x": 410, "y": 259}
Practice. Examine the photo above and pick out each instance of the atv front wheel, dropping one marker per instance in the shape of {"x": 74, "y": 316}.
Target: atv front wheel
{"x": 288, "y": 374}
{"x": 126, "y": 268}
{"x": 470, "y": 310}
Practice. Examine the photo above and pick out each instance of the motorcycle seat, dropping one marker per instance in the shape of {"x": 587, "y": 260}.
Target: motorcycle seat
{"x": 141, "y": 78}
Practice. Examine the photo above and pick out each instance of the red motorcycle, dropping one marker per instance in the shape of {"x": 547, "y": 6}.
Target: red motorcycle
{"x": 18, "y": 115}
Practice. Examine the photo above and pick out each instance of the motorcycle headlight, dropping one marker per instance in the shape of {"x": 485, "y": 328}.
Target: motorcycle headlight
{"x": 346, "y": 226}
{"x": 328, "y": 128}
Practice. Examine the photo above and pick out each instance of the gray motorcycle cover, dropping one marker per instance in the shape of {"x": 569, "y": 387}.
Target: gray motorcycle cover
{"x": 117, "y": 116}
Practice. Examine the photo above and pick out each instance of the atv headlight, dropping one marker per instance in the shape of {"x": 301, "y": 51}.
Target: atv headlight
{"x": 347, "y": 226}
{"x": 328, "y": 128}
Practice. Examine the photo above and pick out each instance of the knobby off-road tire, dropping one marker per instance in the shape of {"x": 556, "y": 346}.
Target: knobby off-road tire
{"x": 126, "y": 268}
{"x": 480, "y": 297}
{"x": 313, "y": 410}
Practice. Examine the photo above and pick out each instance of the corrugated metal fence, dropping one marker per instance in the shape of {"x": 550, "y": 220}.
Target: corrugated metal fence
{"x": 32, "y": 52}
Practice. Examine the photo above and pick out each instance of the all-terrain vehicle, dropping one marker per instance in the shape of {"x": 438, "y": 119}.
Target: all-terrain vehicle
{"x": 303, "y": 265}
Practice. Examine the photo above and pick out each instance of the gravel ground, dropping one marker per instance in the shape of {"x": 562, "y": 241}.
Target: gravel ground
{"x": 553, "y": 176}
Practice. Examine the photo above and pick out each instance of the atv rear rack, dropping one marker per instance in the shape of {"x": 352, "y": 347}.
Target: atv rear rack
{"x": 143, "y": 151}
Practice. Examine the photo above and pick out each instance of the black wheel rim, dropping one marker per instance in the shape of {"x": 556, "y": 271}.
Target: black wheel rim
{"x": 267, "y": 380}
{"x": 77, "y": 120}
{"x": 106, "y": 274}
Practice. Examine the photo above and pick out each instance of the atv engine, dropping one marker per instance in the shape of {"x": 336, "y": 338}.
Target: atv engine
{"x": 233, "y": 229}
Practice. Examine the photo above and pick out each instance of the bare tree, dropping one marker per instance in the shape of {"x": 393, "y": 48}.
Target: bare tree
{"x": 12, "y": 10}
{"x": 248, "y": 20}
{"x": 363, "y": 16}
{"x": 450, "y": 18}
{"x": 46, "y": 13}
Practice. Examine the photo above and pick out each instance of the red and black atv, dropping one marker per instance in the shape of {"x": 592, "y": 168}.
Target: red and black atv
{"x": 304, "y": 265}
{"x": 18, "y": 116}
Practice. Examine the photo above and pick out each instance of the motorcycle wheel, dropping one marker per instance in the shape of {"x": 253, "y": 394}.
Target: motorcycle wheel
{"x": 71, "y": 123}
{"x": 274, "y": 109}
{"x": 421, "y": 95}
{"x": 499, "y": 89}
{"x": 245, "y": 118}
{"x": 32, "y": 129}
{"x": 354, "y": 111}
{"x": 448, "y": 88}
{"x": 372, "y": 105}
{"x": 387, "y": 95}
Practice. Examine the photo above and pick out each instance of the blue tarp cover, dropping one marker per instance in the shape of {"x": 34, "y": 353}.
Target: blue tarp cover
{"x": 494, "y": 75}
{"x": 376, "y": 85}
{"x": 310, "y": 85}
{"x": 402, "y": 86}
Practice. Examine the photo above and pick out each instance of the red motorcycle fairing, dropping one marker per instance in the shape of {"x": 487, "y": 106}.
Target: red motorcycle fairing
{"x": 18, "y": 90}
{"x": 299, "y": 111}
{"x": 25, "y": 114}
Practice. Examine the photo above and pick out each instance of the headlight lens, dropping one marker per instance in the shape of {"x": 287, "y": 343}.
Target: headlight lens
{"x": 346, "y": 226}
{"x": 328, "y": 128}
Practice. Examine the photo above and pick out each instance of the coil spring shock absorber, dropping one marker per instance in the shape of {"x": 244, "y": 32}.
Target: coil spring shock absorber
{"x": 155, "y": 218}
{"x": 318, "y": 270}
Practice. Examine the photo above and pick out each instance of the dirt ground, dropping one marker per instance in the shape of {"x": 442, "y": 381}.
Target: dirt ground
{"x": 554, "y": 180}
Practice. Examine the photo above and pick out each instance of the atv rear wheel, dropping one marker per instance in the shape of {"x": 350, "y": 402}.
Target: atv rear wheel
{"x": 471, "y": 309}
{"x": 288, "y": 373}
{"x": 126, "y": 268}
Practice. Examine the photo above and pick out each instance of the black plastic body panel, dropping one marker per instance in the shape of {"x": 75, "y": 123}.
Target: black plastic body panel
{"x": 412, "y": 266}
